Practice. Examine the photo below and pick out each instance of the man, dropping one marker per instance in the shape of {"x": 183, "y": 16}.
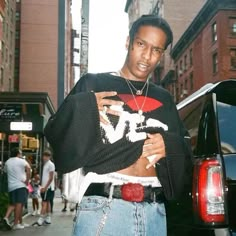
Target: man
{"x": 136, "y": 157}
{"x": 18, "y": 174}
{"x": 55, "y": 188}
{"x": 47, "y": 189}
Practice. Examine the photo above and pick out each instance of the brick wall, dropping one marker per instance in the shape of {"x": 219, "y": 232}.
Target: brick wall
{"x": 203, "y": 48}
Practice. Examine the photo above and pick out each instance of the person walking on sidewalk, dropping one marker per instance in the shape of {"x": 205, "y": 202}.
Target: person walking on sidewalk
{"x": 18, "y": 174}
{"x": 47, "y": 189}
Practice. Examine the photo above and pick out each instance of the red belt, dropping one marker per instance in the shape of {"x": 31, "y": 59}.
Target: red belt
{"x": 131, "y": 192}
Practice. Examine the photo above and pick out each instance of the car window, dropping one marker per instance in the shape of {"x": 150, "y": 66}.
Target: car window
{"x": 227, "y": 127}
{"x": 190, "y": 116}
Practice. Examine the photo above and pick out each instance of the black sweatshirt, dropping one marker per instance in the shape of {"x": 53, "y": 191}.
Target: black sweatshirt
{"x": 78, "y": 140}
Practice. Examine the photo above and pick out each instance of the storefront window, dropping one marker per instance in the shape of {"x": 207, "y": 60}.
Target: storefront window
{"x": 13, "y": 136}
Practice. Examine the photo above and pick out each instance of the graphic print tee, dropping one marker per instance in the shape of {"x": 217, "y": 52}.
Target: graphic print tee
{"x": 140, "y": 114}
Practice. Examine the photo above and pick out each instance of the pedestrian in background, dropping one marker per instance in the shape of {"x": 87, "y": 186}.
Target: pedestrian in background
{"x": 55, "y": 188}
{"x": 29, "y": 187}
{"x": 46, "y": 189}
{"x": 35, "y": 183}
{"x": 18, "y": 174}
{"x": 125, "y": 133}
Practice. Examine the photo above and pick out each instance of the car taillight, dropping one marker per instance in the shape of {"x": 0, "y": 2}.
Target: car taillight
{"x": 208, "y": 192}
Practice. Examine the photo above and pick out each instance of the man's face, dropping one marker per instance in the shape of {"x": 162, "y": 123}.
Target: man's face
{"x": 45, "y": 158}
{"x": 146, "y": 51}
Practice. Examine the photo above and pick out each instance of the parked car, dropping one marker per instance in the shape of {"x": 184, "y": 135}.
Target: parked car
{"x": 208, "y": 205}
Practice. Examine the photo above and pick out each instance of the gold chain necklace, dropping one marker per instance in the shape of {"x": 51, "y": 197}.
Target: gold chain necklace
{"x": 137, "y": 91}
{"x": 140, "y": 109}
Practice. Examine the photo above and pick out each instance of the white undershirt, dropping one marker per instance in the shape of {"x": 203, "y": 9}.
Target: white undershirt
{"x": 116, "y": 179}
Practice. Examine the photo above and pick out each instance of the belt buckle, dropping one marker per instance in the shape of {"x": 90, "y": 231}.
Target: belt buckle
{"x": 132, "y": 192}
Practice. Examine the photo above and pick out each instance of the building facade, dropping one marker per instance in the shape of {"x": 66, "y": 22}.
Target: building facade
{"x": 40, "y": 32}
{"x": 7, "y": 37}
{"x": 44, "y": 48}
{"x": 206, "y": 52}
{"x": 2, "y": 7}
{"x": 17, "y": 46}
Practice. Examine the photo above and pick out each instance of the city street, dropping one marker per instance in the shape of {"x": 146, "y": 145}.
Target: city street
{"x": 139, "y": 95}
{"x": 61, "y": 223}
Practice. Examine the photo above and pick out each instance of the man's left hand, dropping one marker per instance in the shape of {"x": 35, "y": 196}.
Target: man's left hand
{"x": 154, "y": 146}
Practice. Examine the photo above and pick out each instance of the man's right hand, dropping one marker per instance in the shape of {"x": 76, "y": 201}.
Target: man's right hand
{"x": 104, "y": 105}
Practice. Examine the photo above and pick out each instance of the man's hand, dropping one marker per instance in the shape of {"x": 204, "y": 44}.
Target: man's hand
{"x": 42, "y": 190}
{"x": 103, "y": 105}
{"x": 154, "y": 149}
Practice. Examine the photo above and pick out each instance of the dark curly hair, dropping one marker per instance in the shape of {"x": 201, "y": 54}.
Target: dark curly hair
{"x": 47, "y": 153}
{"x": 151, "y": 20}
{"x": 15, "y": 152}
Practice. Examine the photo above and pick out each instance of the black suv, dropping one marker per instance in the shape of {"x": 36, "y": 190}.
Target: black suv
{"x": 208, "y": 206}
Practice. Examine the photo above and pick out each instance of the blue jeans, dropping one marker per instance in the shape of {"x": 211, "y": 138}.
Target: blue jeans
{"x": 99, "y": 216}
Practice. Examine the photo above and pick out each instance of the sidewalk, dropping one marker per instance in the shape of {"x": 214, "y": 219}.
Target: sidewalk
{"x": 62, "y": 222}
